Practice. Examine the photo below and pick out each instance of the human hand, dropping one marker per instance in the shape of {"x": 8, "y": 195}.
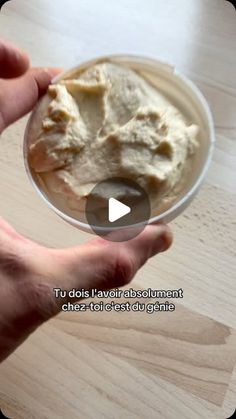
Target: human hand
{"x": 29, "y": 271}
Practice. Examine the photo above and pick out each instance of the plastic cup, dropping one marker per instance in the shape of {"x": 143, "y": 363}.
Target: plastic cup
{"x": 183, "y": 94}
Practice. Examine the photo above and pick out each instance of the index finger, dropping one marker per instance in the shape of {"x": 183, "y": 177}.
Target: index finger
{"x": 19, "y": 95}
{"x": 13, "y": 62}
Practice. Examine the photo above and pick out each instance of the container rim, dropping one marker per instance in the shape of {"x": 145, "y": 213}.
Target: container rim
{"x": 166, "y": 214}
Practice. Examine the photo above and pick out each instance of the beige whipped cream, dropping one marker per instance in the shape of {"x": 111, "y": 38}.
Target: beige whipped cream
{"x": 109, "y": 122}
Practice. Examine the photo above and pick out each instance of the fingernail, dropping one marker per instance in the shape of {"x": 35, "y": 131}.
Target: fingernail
{"x": 53, "y": 71}
{"x": 163, "y": 242}
{"x": 166, "y": 240}
{"x": 21, "y": 55}
{"x": 161, "y": 245}
{"x": 23, "y": 52}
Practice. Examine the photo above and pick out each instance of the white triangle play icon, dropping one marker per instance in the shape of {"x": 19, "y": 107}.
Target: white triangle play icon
{"x": 117, "y": 210}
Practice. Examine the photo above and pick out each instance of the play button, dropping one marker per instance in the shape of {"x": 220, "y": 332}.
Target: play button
{"x": 117, "y": 209}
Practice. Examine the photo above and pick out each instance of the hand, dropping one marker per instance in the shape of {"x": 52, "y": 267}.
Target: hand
{"x": 28, "y": 271}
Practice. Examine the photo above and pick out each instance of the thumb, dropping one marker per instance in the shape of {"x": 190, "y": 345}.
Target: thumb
{"x": 104, "y": 265}
{"x": 19, "y": 95}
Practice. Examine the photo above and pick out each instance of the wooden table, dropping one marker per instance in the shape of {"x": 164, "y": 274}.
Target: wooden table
{"x": 134, "y": 365}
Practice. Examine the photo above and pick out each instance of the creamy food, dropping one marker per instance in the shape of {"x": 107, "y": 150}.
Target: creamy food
{"x": 108, "y": 121}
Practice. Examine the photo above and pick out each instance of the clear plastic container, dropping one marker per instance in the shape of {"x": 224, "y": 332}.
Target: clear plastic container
{"x": 184, "y": 95}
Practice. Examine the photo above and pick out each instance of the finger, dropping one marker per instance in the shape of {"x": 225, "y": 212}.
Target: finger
{"x": 8, "y": 232}
{"x": 104, "y": 265}
{"x": 18, "y": 96}
{"x": 13, "y": 62}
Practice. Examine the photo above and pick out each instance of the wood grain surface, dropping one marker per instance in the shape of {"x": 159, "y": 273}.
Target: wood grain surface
{"x": 134, "y": 365}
